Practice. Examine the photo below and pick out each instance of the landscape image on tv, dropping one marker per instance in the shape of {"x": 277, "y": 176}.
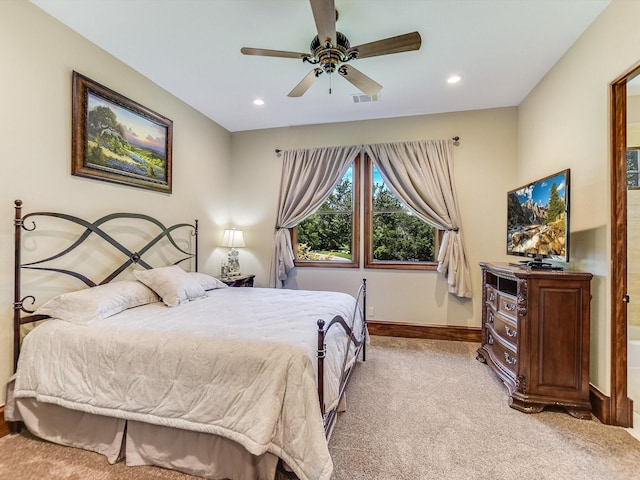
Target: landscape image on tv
{"x": 537, "y": 218}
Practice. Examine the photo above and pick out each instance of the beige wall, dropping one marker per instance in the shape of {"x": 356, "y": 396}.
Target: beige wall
{"x": 633, "y": 113}
{"x": 633, "y": 245}
{"x": 564, "y": 123}
{"x": 38, "y": 55}
{"x": 484, "y": 166}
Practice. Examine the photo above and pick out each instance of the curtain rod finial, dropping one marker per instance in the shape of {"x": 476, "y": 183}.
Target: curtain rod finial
{"x": 278, "y": 152}
{"x": 456, "y": 140}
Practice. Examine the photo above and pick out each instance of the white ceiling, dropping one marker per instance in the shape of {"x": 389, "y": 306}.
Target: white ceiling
{"x": 501, "y": 48}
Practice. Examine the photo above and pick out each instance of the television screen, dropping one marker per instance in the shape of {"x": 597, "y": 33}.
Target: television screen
{"x": 538, "y": 220}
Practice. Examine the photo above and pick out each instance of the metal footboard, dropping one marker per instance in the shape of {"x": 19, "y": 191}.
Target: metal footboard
{"x": 359, "y": 312}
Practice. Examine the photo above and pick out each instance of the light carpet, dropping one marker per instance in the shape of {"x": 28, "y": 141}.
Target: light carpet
{"x": 416, "y": 409}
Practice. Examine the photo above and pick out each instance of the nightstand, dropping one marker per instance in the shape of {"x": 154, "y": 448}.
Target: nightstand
{"x": 244, "y": 280}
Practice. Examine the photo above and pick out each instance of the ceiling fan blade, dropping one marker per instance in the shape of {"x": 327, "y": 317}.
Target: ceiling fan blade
{"x": 306, "y": 82}
{"x": 401, "y": 43}
{"x": 272, "y": 53}
{"x": 324, "y": 13}
{"x": 360, "y": 80}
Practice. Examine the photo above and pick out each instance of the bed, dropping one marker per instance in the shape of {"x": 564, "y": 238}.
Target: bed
{"x": 164, "y": 365}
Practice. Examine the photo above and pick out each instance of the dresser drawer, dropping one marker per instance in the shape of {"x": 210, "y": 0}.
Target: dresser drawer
{"x": 503, "y": 352}
{"x": 491, "y": 314}
{"x": 507, "y": 305}
{"x": 507, "y": 329}
{"x": 492, "y": 296}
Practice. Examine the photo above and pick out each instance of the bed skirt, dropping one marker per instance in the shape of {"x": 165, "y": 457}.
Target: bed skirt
{"x": 139, "y": 443}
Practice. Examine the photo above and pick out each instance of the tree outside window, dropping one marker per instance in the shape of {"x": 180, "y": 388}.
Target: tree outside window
{"x": 330, "y": 236}
{"x": 394, "y": 237}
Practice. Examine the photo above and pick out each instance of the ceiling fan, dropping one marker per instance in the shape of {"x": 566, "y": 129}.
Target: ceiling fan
{"x": 331, "y": 51}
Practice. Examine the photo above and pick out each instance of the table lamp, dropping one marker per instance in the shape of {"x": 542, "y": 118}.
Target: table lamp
{"x": 232, "y": 239}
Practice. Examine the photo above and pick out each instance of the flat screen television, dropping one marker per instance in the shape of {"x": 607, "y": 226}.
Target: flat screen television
{"x": 538, "y": 221}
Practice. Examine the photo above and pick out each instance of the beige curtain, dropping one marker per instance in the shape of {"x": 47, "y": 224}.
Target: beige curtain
{"x": 421, "y": 174}
{"x": 308, "y": 177}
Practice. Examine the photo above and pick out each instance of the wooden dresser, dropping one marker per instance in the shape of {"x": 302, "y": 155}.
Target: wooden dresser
{"x": 535, "y": 335}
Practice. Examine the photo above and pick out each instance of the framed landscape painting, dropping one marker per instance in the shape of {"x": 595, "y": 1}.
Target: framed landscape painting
{"x": 117, "y": 140}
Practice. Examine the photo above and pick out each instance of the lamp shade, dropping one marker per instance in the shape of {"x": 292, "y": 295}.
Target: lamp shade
{"x": 232, "y": 238}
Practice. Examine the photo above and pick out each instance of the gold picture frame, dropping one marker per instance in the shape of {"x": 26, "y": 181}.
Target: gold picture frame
{"x": 115, "y": 139}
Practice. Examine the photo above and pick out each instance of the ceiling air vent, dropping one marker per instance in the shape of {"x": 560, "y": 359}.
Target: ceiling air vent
{"x": 362, "y": 98}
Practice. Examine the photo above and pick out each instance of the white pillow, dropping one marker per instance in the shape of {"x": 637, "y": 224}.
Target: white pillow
{"x": 95, "y": 303}
{"x": 207, "y": 281}
{"x": 173, "y": 284}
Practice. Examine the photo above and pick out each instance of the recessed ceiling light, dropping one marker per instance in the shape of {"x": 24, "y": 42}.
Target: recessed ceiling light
{"x": 454, "y": 79}
{"x": 258, "y": 101}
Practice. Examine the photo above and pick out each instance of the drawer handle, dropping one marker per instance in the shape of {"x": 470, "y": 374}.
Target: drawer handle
{"x": 490, "y": 317}
{"x": 510, "y": 333}
{"x": 490, "y": 339}
{"x": 509, "y": 359}
{"x": 492, "y": 296}
{"x": 509, "y": 307}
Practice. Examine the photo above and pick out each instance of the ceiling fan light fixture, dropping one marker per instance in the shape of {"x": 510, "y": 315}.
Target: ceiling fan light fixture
{"x": 331, "y": 51}
{"x": 330, "y": 56}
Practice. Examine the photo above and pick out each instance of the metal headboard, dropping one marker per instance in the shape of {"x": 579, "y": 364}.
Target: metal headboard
{"x": 27, "y": 223}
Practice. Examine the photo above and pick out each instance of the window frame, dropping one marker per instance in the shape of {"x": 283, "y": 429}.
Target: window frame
{"x": 369, "y": 261}
{"x": 355, "y": 228}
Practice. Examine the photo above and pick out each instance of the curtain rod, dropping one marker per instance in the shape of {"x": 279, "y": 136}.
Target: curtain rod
{"x": 456, "y": 142}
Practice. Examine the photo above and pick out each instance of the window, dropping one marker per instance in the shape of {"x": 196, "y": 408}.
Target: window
{"x": 633, "y": 170}
{"x": 394, "y": 238}
{"x": 331, "y": 235}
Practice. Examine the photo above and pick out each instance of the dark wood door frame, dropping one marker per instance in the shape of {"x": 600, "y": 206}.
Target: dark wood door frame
{"x": 620, "y": 411}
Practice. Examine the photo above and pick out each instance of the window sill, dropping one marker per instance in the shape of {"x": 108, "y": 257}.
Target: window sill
{"x": 328, "y": 264}
{"x": 402, "y": 265}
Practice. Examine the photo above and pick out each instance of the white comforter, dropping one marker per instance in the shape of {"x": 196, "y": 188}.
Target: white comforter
{"x": 240, "y": 363}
